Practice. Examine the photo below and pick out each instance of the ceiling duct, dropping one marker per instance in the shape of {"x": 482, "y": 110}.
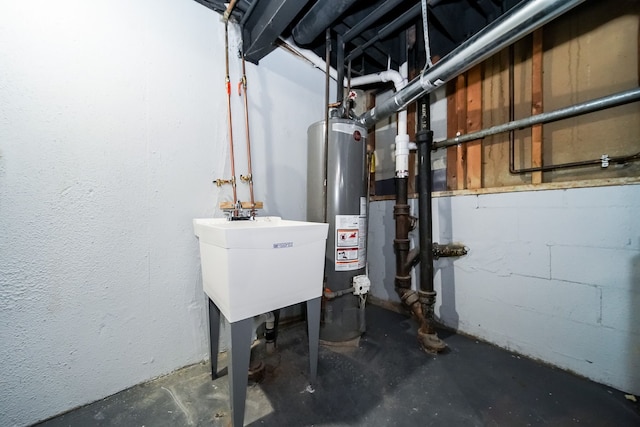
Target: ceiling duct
{"x": 507, "y": 29}
{"x": 318, "y": 18}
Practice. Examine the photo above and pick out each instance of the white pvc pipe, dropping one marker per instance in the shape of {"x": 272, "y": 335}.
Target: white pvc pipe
{"x": 399, "y": 79}
{"x": 269, "y": 318}
{"x": 383, "y": 76}
{"x": 402, "y": 139}
{"x": 311, "y": 57}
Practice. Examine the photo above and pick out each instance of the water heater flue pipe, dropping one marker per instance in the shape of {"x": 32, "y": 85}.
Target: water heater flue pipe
{"x": 507, "y": 29}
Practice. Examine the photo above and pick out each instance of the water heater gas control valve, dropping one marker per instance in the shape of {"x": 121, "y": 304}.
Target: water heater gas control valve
{"x": 361, "y": 285}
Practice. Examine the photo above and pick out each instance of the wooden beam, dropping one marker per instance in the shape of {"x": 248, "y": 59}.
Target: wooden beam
{"x": 456, "y": 124}
{"x": 461, "y": 119}
{"x": 452, "y": 128}
{"x": 474, "y": 123}
{"x": 536, "y": 105}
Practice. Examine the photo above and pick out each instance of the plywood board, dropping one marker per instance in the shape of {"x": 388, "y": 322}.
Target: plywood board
{"x": 591, "y": 53}
{"x": 536, "y": 103}
{"x": 473, "y": 124}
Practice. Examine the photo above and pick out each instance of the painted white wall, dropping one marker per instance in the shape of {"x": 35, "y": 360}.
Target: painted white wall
{"x": 553, "y": 274}
{"x": 112, "y": 128}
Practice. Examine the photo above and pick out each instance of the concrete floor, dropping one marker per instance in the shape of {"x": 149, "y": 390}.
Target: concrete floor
{"x": 385, "y": 381}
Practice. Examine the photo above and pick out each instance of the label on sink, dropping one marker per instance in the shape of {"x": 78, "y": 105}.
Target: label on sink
{"x": 282, "y": 245}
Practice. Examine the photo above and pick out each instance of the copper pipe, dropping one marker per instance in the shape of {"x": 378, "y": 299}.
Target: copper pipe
{"x": 243, "y": 83}
{"x": 227, "y": 13}
{"x": 325, "y": 150}
{"x": 228, "y": 88}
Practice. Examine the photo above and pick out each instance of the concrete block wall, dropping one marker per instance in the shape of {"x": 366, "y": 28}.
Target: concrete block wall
{"x": 554, "y": 275}
{"x": 112, "y": 129}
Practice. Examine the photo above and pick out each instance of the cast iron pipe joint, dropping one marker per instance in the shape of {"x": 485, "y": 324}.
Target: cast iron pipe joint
{"x": 428, "y": 298}
{"x": 402, "y": 284}
{"x": 401, "y": 244}
{"x": 400, "y": 211}
{"x": 409, "y": 298}
{"x": 424, "y": 136}
{"x": 411, "y": 301}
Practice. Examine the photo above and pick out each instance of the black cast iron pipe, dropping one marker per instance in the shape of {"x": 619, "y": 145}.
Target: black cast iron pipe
{"x": 424, "y": 138}
{"x": 340, "y": 68}
{"x": 401, "y": 241}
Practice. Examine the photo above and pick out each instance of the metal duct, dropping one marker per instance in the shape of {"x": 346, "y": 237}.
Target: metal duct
{"x": 510, "y": 27}
{"x": 320, "y": 16}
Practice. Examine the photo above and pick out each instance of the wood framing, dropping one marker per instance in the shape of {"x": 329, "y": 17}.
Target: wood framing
{"x": 456, "y": 125}
{"x": 536, "y": 104}
{"x": 473, "y": 124}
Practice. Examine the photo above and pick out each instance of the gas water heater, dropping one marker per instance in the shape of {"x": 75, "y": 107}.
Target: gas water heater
{"x": 344, "y": 206}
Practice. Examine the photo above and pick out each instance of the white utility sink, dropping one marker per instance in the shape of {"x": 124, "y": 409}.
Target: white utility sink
{"x": 253, "y": 267}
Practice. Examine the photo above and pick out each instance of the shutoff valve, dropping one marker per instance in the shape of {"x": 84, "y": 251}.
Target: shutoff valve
{"x": 361, "y": 285}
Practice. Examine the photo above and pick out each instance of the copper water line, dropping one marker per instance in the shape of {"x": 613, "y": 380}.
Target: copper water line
{"x": 325, "y": 148}
{"x": 227, "y": 13}
{"x": 228, "y": 88}
{"x": 243, "y": 83}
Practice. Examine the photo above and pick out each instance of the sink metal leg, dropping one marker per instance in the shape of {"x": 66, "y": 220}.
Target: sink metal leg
{"x": 240, "y": 353}
{"x": 313, "y": 328}
{"x": 214, "y": 336}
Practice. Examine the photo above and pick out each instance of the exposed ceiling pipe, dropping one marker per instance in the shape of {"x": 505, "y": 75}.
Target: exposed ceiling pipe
{"x": 248, "y": 13}
{"x": 370, "y": 19}
{"x": 510, "y": 27}
{"x": 383, "y": 76}
{"x": 310, "y": 56}
{"x": 227, "y": 13}
{"x": 318, "y": 18}
{"x": 387, "y": 30}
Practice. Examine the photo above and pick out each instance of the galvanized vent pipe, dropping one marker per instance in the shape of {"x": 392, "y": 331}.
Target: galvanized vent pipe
{"x": 507, "y": 29}
{"x": 609, "y": 101}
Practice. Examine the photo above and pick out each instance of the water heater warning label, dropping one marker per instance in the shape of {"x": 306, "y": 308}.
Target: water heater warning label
{"x": 347, "y": 238}
{"x": 350, "y": 253}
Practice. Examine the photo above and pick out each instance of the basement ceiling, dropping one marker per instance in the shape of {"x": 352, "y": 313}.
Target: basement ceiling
{"x": 375, "y": 35}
